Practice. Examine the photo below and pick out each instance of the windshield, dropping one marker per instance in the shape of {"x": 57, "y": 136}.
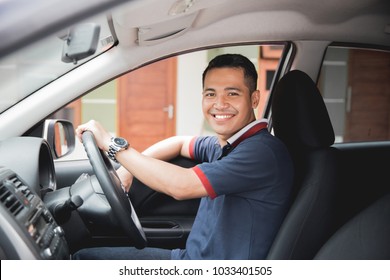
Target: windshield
{"x": 29, "y": 69}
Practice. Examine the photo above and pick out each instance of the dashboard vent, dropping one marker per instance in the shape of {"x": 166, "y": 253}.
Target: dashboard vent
{"x": 14, "y": 195}
{"x": 22, "y": 188}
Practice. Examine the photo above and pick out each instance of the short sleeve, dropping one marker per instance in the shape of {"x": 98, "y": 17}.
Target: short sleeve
{"x": 247, "y": 168}
{"x": 205, "y": 149}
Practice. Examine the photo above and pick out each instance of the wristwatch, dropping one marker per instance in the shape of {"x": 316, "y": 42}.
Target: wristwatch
{"x": 117, "y": 144}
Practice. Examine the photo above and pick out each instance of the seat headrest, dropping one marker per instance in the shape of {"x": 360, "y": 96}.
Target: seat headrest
{"x": 299, "y": 114}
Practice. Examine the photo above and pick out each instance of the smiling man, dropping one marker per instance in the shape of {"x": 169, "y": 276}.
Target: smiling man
{"x": 244, "y": 178}
{"x": 228, "y": 99}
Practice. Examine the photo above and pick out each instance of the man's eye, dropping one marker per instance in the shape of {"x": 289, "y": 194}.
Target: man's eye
{"x": 232, "y": 93}
{"x": 209, "y": 94}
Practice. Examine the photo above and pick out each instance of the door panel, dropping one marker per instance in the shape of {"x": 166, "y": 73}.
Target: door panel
{"x": 365, "y": 176}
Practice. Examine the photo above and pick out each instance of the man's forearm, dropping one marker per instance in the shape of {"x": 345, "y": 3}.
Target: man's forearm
{"x": 178, "y": 182}
{"x": 164, "y": 150}
{"x": 169, "y": 148}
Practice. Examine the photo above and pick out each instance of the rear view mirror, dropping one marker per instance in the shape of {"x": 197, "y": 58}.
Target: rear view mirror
{"x": 60, "y": 136}
{"x": 81, "y": 42}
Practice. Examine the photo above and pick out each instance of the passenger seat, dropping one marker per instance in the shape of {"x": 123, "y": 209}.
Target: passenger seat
{"x": 300, "y": 119}
{"x": 365, "y": 237}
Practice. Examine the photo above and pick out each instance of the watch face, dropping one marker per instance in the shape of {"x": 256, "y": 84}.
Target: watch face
{"x": 120, "y": 141}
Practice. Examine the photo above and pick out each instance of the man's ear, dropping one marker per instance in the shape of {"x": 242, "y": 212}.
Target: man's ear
{"x": 255, "y": 98}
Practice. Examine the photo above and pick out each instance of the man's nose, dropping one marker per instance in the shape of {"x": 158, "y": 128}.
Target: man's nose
{"x": 221, "y": 103}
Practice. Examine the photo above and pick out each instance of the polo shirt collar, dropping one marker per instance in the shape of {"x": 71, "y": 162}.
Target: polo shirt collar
{"x": 245, "y": 132}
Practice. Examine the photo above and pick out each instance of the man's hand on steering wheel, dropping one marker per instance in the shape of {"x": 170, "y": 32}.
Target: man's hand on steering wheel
{"x": 102, "y": 137}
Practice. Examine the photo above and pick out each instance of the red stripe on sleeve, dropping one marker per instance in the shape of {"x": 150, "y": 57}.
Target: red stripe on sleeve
{"x": 206, "y": 183}
{"x": 192, "y": 148}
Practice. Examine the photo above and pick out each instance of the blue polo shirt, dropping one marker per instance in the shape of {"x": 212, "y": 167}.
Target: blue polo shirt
{"x": 249, "y": 183}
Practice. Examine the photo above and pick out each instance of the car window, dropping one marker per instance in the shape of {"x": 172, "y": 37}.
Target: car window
{"x": 164, "y": 98}
{"x": 355, "y": 86}
{"x": 37, "y": 65}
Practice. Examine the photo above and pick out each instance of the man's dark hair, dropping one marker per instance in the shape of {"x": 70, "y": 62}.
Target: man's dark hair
{"x": 235, "y": 61}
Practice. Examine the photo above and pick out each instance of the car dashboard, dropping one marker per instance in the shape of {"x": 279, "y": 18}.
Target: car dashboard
{"x": 28, "y": 230}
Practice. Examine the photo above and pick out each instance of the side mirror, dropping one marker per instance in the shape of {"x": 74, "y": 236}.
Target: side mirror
{"x": 60, "y": 136}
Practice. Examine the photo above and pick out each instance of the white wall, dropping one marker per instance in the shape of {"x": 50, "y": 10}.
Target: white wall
{"x": 189, "y": 116}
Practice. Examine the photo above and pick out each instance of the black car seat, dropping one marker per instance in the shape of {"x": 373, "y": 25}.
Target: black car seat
{"x": 364, "y": 237}
{"x": 300, "y": 119}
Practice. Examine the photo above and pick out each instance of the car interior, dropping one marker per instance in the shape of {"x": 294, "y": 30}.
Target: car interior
{"x": 324, "y": 70}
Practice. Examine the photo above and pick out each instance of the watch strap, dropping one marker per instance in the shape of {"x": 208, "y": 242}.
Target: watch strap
{"x": 111, "y": 153}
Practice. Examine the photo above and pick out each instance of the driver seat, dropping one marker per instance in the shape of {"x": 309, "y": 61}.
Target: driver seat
{"x": 300, "y": 119}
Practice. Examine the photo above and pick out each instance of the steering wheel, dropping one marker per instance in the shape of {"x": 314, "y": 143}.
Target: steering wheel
{"x": 112, "y": 188}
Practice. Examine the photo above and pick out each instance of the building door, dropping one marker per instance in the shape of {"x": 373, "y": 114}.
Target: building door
{"x": 146, "y": 104}
{"x": 369, "y": 84}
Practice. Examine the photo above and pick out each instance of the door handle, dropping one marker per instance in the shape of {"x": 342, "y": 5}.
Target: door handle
{"x": 169, "y": 109}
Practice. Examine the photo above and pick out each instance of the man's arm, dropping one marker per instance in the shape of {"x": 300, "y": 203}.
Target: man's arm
{"x": 164, "y": 150}
{"x": 170, "y": 148}
{"x": 178, "y": 182}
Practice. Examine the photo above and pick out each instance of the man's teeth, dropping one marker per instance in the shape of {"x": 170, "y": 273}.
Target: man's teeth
{"x": 222, "y": 116}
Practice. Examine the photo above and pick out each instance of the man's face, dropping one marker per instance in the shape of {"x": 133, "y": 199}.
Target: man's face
{"x": 227, "y": 103}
